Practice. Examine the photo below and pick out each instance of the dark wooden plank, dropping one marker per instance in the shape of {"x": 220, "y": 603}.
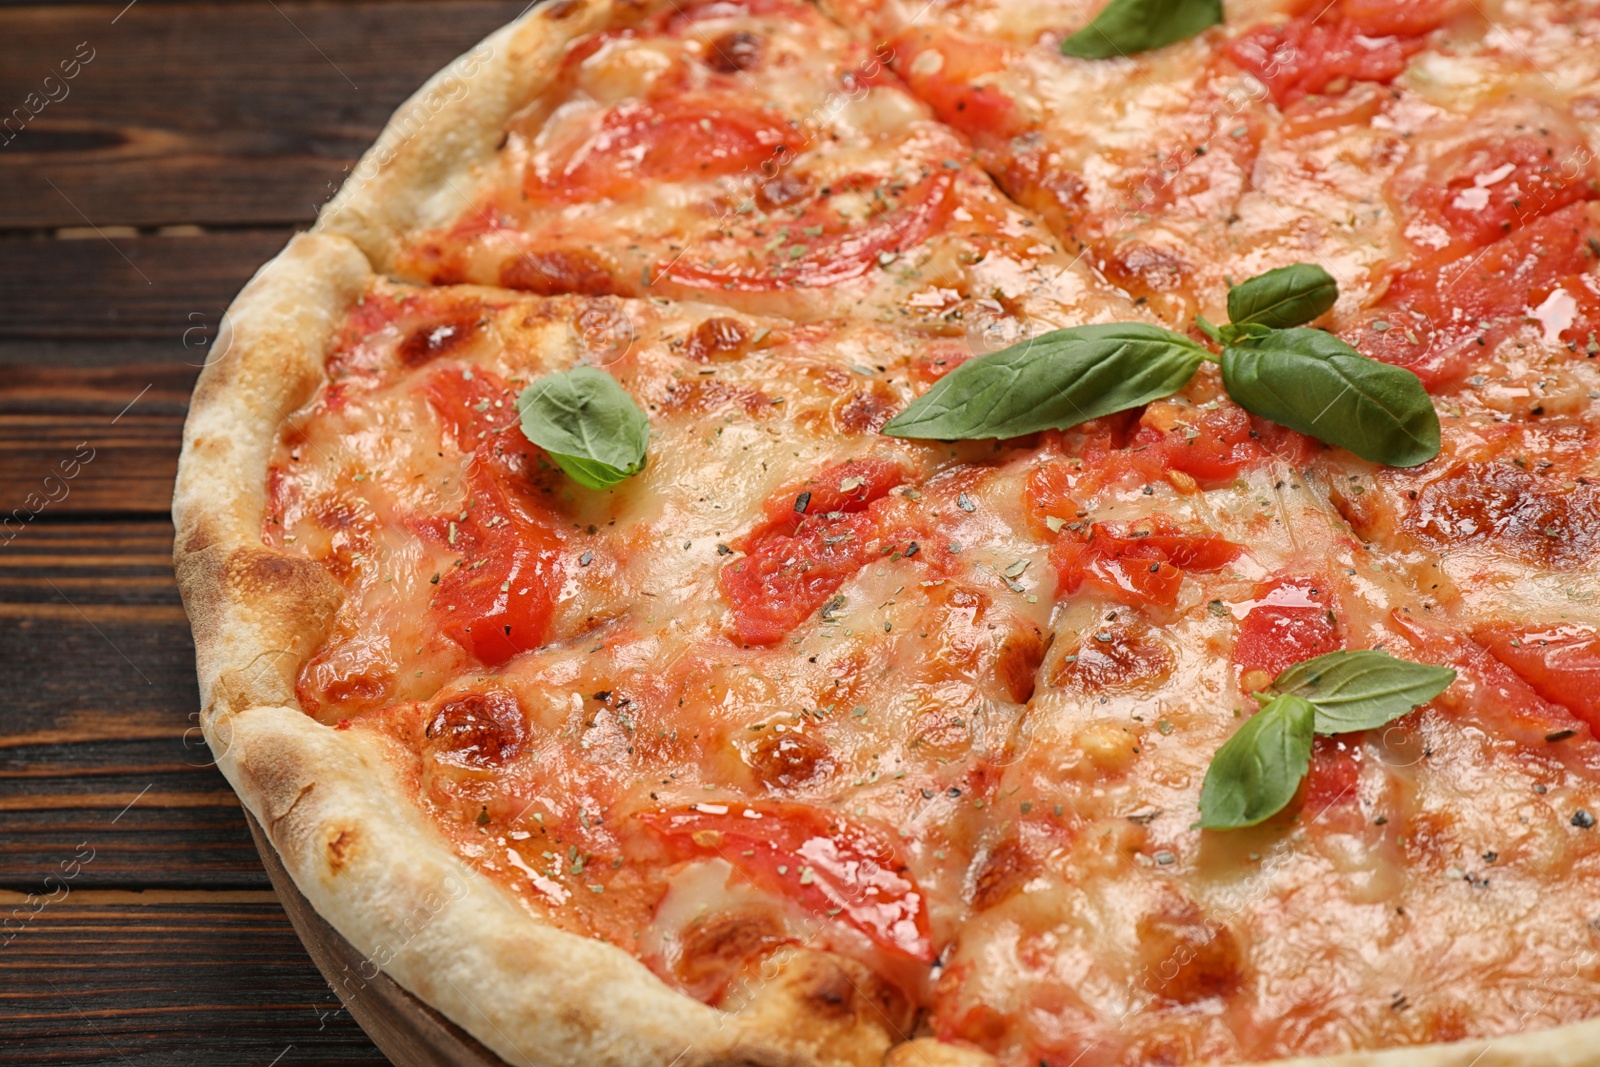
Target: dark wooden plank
{"x": 214, "y": 114}
{"x": 98, "y": 744}
{"x": 99, "y": 356}
{"x": 75, "y": 440}
{"x": 153, "y": 287}
{"x": 159, "y": 979}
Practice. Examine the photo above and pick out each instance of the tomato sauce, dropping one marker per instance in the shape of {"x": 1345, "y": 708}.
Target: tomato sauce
{"x": 811, "y": 542}
{"x": 1290, "y": 618}
{"x": 830, "y": 865}
{"x": 1328, "y": 47}
{"x": 1140, "y": 564}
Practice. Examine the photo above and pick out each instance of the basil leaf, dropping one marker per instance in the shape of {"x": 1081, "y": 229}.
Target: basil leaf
{"x": 1313, "y": 382}
{"x": 590, "y": 426}
{"x": 1053, "y": 381}
{"x": 1362, "y": 689}
{"x": 1241, "y": 332}
{"x": 1279, "y": 299}
{"x": 1258, "y": 771}
{"x": 1125, "y": 27}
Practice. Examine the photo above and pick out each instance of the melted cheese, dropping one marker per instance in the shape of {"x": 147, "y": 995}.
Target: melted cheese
{"x": 1024, "y": 752}
{"x": 764, "y": 154}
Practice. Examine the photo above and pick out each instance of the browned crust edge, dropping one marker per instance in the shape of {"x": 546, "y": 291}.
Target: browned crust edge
{"x": 381, "y": 875}
{"x": 424, "y": 168}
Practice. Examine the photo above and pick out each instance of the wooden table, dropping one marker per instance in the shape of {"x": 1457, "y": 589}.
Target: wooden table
{"x": 137, "y": 926}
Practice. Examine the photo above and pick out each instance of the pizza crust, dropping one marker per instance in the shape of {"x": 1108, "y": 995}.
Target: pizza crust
{"x": 374, "y": 868}
{"x": 423, "y": 169}
{"x": 380, "y": 874}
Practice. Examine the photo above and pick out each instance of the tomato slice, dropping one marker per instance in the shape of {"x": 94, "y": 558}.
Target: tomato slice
{"x": 1290, "y": 619}
{"x": 1412, "y": 18}
{"x": 1130, "y": 575}
{"x": 1495, "y": 695}
{"x": 833, "y": 867}
{"x": 1140, "y": 564}
{"x": 1561, "y": 663}
{"x": 784, "y": 578}
{"x": 1212, "y": 447}
{"x": 637, "y": 144}
{"x": 472, "y": 404}
{"x": 831, "y": 258}
{"x": 814, "y": 537}
{"x": 498, "y": 599}
{"x": 956, "y": 86}
{"x": 1431, "y": 317}
{"x": 1215, "y": 449}
{"x": 1492, "y": 186}
{"x": 842, "y": 488}
{"x": 1321, "y": 51}
{"x": 1332, "y": 778}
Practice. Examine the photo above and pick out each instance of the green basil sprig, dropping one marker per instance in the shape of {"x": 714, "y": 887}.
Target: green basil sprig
{"x": 1260, "y": 767}
{"x": 1362, "y": 689}
{"x": 589, "y": 425}
{"x": 1313, "y": 382}
{"x": 1056, "y": 380}
{"x": 1282, "y": 298}
{"x": 1257, "y": 772}
{"x": 1125, "y": 27}
{"x": 1307, "y": 380}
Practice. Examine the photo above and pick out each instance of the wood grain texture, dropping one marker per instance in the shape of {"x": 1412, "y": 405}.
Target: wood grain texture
{"x": 163, "y": 979}
{"x": 98, "y": 737}
{"x": 98, "y": 355}
{"x": 213, "y": 114}
{"x": 153, "y": 287}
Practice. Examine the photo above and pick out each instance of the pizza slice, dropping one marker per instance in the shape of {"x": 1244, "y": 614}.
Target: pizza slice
{"x": 753, "y": 155}
{"x": 1367, "y": 138}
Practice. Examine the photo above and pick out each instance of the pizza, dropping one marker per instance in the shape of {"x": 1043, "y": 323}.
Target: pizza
{"x": 953, "y": 533}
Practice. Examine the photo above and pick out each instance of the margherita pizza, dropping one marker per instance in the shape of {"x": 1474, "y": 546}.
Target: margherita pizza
{"x": 871, "y": 532}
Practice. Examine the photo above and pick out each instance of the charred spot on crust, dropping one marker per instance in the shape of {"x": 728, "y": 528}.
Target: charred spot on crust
{"x": 479, "y": 729}
{"x": 789, "y": 760}
{"x": 1114, "y": 656}
{"x": 717, "y": 339}
{"x": 429, "y": 342}
{"x": 256, "y": 576}
{"x": 558, "y": 271}
{"x": 716, "y": 950}
{"x": 1190, "y": 957}
{"x": 839, "y": 990}
{"x": 1007, "y": 867}
{"x": 734, "y": 51}
{"x": 866, "y": 410}
{"x": 341, "y": 846}
{"x": 262, "y": 571}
